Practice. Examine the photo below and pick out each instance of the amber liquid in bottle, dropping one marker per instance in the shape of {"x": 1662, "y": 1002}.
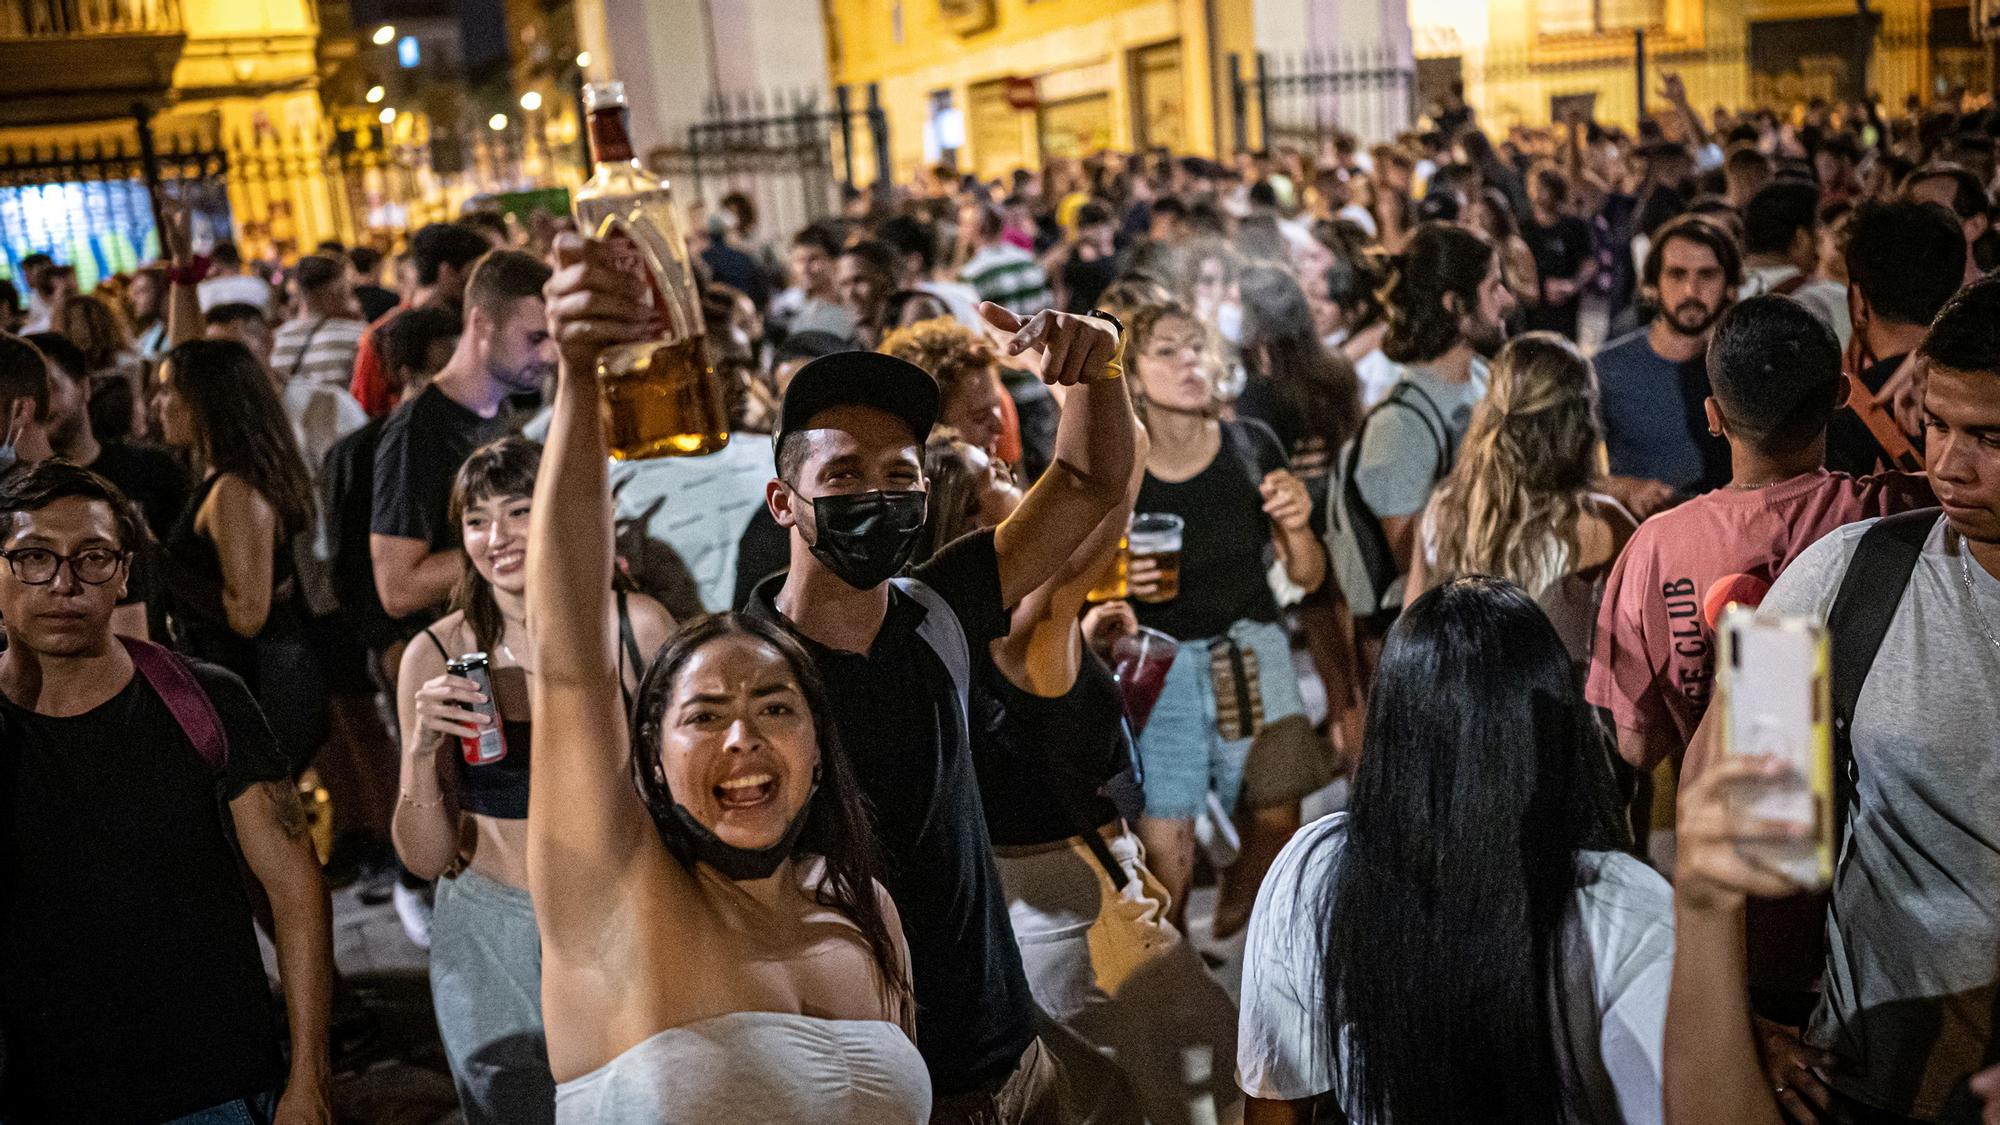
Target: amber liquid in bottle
{"x": 661, "y": 397}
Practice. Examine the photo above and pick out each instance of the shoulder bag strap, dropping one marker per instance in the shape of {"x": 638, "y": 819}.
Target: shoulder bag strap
{"x": 1869, "y": 595}
{"x": 1882, "y": 426}
{"x": 299, "y": 360}
{"x": 173, "y": 681}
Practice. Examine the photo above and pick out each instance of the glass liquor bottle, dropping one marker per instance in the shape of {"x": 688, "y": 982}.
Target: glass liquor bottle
{"x": 661, "y": 397}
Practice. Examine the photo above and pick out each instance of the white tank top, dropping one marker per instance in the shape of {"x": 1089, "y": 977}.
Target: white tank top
{"x": 757, "y": 1067}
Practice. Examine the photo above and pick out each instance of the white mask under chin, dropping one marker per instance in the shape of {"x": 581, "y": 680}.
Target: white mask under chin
{"x": 1229, "y": 321}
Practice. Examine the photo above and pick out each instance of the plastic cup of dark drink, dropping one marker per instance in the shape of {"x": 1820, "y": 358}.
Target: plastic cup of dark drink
{"x": 1140, "y": 661}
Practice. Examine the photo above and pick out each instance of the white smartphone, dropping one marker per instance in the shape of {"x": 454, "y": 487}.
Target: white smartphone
{"x": 1773, "y": 687}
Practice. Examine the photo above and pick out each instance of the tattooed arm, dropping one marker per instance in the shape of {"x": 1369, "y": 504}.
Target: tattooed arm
{"x": 271, "y": 827}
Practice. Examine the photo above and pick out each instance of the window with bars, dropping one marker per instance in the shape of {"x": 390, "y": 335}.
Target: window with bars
{"x": 1595, "y": 17}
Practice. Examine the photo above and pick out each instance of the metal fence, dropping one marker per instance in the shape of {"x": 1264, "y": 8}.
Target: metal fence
{"x": 1304, "y": 99}
{"x": 89, "y": 201}
{"x": 793, "y": 154}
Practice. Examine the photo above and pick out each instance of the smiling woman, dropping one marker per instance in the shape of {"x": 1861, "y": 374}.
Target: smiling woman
{"x": 463, "y": 812}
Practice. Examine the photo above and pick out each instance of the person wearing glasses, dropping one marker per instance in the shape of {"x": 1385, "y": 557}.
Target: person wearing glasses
{"x": 134, "y": 990}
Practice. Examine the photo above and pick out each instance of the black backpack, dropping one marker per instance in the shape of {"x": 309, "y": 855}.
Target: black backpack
{"x": 1870, "y": 593}
{"x": 1356, "y": 549}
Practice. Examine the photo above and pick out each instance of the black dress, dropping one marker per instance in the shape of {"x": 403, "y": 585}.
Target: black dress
{"x": 277, "y": 664}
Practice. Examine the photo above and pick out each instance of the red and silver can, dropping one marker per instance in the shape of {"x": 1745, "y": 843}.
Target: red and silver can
{"x": 491, "y": 745}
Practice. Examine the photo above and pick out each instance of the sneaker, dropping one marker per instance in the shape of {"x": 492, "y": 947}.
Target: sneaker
{"x": 414, "y": 912}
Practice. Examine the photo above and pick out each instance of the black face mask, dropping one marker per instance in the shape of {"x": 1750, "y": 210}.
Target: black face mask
{"x": 745, "y": 863}
{"x": 865, "y": 538}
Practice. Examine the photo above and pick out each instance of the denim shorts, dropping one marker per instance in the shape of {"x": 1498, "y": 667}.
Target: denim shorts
{"x": 1183, "y": 753}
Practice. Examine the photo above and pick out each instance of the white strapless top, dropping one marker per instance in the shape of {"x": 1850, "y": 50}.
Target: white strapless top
{"x": 757, "y": 1067}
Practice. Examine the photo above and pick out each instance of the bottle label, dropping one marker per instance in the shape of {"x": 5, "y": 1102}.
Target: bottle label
{"x": 626, "y": 256}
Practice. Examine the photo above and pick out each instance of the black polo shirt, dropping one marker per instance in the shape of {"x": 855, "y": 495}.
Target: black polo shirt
{"x": 898, "y": 716}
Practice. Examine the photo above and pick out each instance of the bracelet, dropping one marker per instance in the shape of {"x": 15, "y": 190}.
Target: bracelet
{"x": 1116, "y": 366}
{"x": 405, "y": 798}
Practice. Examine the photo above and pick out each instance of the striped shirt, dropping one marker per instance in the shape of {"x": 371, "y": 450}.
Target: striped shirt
{"x": 317, "y": 349}
{"x": 1009, "y": 277}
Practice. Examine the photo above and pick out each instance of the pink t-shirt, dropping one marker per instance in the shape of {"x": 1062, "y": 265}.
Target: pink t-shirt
{"x": 1653, "y": 662}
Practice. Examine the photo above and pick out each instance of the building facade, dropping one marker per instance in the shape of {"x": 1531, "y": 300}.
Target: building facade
{"x": 100, "y": 98}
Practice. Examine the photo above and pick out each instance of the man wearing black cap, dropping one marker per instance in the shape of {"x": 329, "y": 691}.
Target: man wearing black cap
{"x": 850, "y": 492}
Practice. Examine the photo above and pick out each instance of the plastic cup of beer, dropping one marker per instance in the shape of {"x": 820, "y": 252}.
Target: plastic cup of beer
{"x": 1112, "y": 585}
{"x": 1156, "y": 538}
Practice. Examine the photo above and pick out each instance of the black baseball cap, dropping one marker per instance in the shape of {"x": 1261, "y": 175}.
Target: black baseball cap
{"x": 894, "y": 386}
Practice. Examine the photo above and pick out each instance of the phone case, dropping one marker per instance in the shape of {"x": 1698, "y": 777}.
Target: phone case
{"x": 1772, "y": 684}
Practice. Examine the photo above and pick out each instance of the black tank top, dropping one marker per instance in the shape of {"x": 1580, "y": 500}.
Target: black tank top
{"x": 1039, "y": 758}
{"x": 500, "y": 789}
{"x": 199, "y": 622}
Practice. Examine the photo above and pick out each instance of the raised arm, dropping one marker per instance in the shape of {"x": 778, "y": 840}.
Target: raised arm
{"x": 1094, "y": 444}
{"x": 1711, "y": 1065}
{"x": 183, "y": 302}
{"x": 585, "y": 822}
{"x": 1046, "y": 641}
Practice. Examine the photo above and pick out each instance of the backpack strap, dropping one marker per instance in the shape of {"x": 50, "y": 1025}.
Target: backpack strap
{"x": 945, "y": 636}
{"x": 1434, "y": 422}
{"x": 1870, "y": 593}
{"x": 170, "y": 677}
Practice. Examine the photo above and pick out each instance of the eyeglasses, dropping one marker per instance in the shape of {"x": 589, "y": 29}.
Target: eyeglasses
{"x": 38, "y": 566}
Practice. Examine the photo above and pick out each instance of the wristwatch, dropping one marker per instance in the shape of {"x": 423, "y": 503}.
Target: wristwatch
{"x": 1116, "y": 367}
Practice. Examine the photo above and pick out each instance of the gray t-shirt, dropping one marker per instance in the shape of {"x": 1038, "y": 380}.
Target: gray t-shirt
{"x": 1915, "y": 937}
{"x": 1400, "y": 457}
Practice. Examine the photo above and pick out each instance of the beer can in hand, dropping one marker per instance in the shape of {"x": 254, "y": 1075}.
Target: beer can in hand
{"x": 491, "y": 745}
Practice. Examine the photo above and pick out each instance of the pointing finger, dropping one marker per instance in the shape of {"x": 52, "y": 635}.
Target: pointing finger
{"x": 999, "y": 317}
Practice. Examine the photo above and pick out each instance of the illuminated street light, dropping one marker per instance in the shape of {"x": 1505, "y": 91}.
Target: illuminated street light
{"x": 388, "y": 115}
{"x": 384, "y": 34}
{"x": 583, "y": 58}
{"x": 531, "y": 101}
{"x": 376, "y": 94}
{"x": 497, "y": 122}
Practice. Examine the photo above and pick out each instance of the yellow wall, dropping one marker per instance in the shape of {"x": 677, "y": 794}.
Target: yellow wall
{"x": 1078, "y": 50}
{"x": 1511, "y": 73}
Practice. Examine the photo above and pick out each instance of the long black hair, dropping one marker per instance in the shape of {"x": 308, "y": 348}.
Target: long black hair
{"x": 839, "y": 826}
{"x": 1317, "y": 384}
{"x": 240, "y": 426}
{"x": 1444, "y": 966}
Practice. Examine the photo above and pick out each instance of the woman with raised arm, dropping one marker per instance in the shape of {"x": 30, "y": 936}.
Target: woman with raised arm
{"x": 461, "y": 819}
{"x": 714, "y": 944}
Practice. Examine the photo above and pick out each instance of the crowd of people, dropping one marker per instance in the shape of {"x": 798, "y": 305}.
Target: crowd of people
{"x": 1077, "y": 532}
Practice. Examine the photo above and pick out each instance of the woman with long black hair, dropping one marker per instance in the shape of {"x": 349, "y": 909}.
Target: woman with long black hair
{"x": 229, "y": 564}
{"x": 715, "y": 944}
{"x": 1466, "y": 943}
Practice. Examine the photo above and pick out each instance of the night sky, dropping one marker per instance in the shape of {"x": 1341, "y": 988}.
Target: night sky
{"x": 483, "y": 23}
